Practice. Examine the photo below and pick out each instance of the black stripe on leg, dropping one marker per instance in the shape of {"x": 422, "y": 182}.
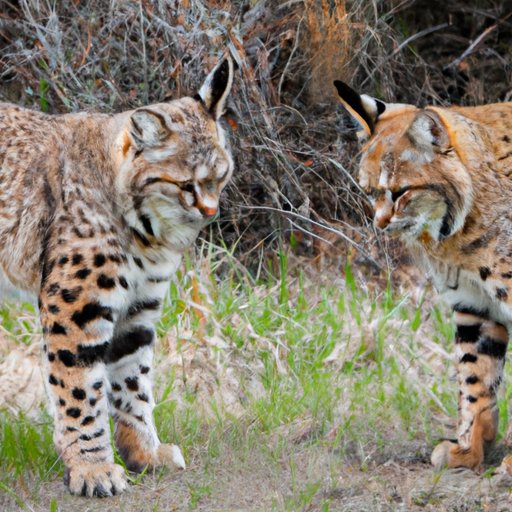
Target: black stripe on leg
{"x": 99, "y": 260}
{"x": 128, "y": 343}
{"x": 71, "y": 295}
{"x": 469, "y": 358}
{"x": 491, "y": 347}
{"x": 87, "y": 355}
{"x": 132, "y": 383}
{"x": 96, "y": 449}
{"x": 138, "y": 307}
{"x": 90, "y": 312}
{"x": 67, "y": 357}
{"x": 73, "y": 412}
{"x": 86, "y": 437}
{"x": 467, "y": 333}
{"x": 159, "y": 279}
{"x": 58, "y": 329}
{"x": 105, "y": 282}
{"x": 87, "y": 420}
{"x": 469, "y": 310}
{"x": 90, "y": 354}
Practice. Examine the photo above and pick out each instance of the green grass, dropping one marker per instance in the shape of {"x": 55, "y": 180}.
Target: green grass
{"x": 261, "y": 367}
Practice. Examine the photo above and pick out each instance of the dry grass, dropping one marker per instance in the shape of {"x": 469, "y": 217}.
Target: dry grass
{"x": 329, "y": 34}
{"x": 293, "y": 148}
{"x": 296, "y": 392}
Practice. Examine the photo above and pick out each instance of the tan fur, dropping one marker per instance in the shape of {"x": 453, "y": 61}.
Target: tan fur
{"x": 439, "y": 178}
{"x": 95, "y": 213}
{"x": 451, "y": 455}
{"x": 128, "y": 443}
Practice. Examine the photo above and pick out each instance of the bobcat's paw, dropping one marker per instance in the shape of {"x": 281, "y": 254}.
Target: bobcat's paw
{"x": 99, "y": 480}
{"x": 449, "y": 454}
{"x": 169, "y": 455}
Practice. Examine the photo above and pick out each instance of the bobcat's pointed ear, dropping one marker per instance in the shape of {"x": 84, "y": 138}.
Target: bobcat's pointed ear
{"x": 148, "y": 128}
{"x": 428, "y": 132}
{"x": 363, "y": 108}
{"x": 216, "y": 87}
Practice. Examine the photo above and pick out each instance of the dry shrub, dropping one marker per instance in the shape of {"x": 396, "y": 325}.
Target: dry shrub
{"x": 328, "y": 44}
{"x": 294, "y": 146}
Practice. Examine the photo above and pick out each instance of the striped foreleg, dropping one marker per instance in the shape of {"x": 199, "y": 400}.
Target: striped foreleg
{"x": 130, "y": 361}
{"x": 75, "y": 345}
{"x": 480, "y": 348}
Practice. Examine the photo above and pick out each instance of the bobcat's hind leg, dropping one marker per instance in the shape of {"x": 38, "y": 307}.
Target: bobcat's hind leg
{"x": 480, "y": 350}
{"x": 78, "y": 325}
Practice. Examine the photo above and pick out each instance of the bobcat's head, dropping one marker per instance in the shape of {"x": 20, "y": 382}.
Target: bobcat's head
{"x": 412, "y": 167}
{"x": 174, "y": 161}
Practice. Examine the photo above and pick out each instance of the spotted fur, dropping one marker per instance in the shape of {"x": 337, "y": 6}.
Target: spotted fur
{"x": 95, "y": 213}
{"x": 439, "y": 178}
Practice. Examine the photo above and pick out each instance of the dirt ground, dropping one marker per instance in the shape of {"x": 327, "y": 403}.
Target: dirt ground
{"x": 312, "y": 478}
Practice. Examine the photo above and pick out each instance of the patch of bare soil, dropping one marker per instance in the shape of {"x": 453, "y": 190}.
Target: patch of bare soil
{"x": 305, "y": 478}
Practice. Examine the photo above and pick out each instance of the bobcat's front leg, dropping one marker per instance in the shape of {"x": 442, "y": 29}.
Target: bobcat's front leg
{"x": 130, "y": 362}
{"x": 481, "y": 345}
{"x": 79, "y": 304}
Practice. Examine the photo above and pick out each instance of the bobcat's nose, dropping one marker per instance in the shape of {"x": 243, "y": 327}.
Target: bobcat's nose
{"x": 208, "y": 211}
{"x": 207, "y": 208}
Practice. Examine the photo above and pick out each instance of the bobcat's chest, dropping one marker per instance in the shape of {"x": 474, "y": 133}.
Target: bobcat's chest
{"x": 146, "y": 281}
{"x": 462, "y": 288}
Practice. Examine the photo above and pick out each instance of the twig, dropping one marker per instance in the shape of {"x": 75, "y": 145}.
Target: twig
{"x": 144, "y": 56}
{"x": 285, "y": 5}
{"x": 418, "y": 35}
{"x": 471, "y": 48}
{"x": 323, "y": 226}
{"x": 292, "y": 53}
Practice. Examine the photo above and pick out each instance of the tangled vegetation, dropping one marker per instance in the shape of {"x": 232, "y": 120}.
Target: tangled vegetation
{"x": 295, "y": 149}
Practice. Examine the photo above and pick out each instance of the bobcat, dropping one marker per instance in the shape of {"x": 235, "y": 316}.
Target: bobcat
{"x": 439, "y": 178}
{"x": 95, "y": 213}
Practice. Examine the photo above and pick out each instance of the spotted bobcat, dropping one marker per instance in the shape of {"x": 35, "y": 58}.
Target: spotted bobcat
{"x": 95, "y": 213}
{"x": 439, "y": 178}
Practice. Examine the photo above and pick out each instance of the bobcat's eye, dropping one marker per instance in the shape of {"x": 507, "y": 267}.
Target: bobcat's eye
{"x": 210, "y": 186}
{"x": 188, "y": 187}
{"x": 398, "y": 193}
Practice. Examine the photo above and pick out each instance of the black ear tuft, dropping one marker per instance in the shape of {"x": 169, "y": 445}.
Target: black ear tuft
{"x": 381, "y": 106}
{"x": 219, "y": 82}
{"x": 216, "y": 87}
{"x": 352, "y": 101}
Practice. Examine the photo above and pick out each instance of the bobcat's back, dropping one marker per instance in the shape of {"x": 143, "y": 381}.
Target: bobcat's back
{"x": 439, "y": 178}
{"x": 45, "y": 162}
